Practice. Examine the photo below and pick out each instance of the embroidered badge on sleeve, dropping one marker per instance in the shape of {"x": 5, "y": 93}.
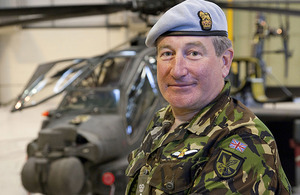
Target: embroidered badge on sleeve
{"x": 227, "y": 164}
{"x": 239, "y": 146}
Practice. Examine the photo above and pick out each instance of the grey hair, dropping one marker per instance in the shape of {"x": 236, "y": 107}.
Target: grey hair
{"x": 221, "y": 43}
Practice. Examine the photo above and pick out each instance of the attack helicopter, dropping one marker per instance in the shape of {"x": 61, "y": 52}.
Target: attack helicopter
{"x": 83, "y": 144}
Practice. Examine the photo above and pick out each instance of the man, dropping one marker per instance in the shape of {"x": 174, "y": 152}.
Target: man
{"x": 203, "y": 142}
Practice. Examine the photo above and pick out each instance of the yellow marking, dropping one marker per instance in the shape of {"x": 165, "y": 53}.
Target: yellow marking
{"x": 182, "y": 153}
{"x": 230, "y": 22}
{"x": 234, "y": 68}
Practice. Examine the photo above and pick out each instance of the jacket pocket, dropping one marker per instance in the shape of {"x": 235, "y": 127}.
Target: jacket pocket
{"x": 172, "y": 177}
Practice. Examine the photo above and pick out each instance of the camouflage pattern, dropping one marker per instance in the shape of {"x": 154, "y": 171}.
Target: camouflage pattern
{"x": 224, "y": 149}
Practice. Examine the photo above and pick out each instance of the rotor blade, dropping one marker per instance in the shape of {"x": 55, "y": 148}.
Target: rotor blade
{"x": 39, "y": 14}
{"x": 51, "y": 10}
{"x": 41, "y": 18}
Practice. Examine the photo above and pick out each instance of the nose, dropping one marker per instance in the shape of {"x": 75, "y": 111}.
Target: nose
{"x": 178, "y": 68}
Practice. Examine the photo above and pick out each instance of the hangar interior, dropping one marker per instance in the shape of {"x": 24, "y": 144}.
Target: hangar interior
{"x": 24, "y": 47}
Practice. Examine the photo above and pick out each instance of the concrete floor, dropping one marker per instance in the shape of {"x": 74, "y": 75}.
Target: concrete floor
{"x": 17, "y": 130}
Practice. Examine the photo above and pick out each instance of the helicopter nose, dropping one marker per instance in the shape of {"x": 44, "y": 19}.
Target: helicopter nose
{"x": 63, "y": 176}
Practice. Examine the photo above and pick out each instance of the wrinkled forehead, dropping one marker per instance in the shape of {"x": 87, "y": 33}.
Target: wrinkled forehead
{"x": 183, "y": 41}
{"x": 187, "y": 39}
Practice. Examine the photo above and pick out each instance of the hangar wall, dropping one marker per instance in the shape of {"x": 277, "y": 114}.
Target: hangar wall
{"x": 21, "y": 50}
{"x": 244, "y": 30}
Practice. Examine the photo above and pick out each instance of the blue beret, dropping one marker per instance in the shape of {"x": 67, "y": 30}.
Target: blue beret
{"x": 190, "y": 18}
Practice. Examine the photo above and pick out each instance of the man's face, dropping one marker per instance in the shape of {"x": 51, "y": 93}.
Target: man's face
{"x": 189, "y": 73}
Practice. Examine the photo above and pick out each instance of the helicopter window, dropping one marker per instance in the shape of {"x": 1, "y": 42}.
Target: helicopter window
{"x": 91, "y": 100}
{"x": 49, "y": 80}
{"x": 107, "y": 73}
{"x": 140, "y": 99}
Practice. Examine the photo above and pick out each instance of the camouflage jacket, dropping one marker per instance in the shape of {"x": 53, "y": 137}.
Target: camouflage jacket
{"x": 224, "y": 149}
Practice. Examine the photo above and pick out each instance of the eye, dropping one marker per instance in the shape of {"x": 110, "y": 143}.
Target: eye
{"x": 166, "y": 55}
{"x": 193, "y": 54}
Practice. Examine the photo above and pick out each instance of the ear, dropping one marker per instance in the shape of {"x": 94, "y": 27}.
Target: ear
{"x": 227, "y": 58}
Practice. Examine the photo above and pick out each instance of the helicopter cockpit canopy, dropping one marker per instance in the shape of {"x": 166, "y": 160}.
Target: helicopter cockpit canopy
{"x": 51, "y": 79}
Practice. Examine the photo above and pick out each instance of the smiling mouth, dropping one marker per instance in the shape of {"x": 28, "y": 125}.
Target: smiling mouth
{"x": 180, "y": 85}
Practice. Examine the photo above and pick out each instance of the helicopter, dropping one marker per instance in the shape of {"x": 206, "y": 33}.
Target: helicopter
{"x": 83, "y": 144}
{"x": 86, "y": 140}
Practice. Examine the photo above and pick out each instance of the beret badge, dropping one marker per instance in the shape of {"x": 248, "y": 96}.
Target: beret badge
{"x": 205, "y": 20}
